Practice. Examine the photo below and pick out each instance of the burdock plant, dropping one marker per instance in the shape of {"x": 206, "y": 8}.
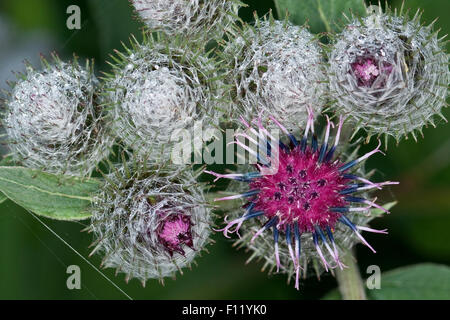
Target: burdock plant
{"x": 100, "y": 149}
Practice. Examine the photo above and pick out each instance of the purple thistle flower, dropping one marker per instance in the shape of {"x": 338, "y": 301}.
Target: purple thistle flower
{"x": 174, "y": 232}
{"x": 308, "y": 198}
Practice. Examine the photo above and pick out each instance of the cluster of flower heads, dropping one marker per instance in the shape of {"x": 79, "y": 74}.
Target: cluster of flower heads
{"x": 159, "y": 88}
{"x": 54, "y": 119}
{"x": 386, "y": 73}
{"x": 275, "y": 68}
{"x": 389, "y": 73}
{"x": 303, "y": 192}
{"x": 150, "y": 222}
{"x": 194, "y": 18}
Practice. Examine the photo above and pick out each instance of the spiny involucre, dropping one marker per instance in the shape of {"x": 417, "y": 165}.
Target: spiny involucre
{"x": 196, "y": 19}
{"x": 316, "y": 202}
{"x": 275, "y": 68}
{"x": 158, "y": 89}
{"x": 389, "y": 73}
{"x": 150, "y": 222}
{"x": 54, "y": 119}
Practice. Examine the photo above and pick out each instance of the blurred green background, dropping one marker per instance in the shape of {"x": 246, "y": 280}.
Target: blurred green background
{"x": 33, "y": 261}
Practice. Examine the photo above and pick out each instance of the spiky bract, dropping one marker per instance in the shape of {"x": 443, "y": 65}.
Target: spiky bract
{"x": 160, "y": 87}
{"x": 275, "y": 68}
{"x": 150, "y": 223}
{"x": 54, "y": 119}
{"x": 389, "y": 73}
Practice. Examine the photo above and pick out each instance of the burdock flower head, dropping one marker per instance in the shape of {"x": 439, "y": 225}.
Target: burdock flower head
{"x": 389, "y": 73}
{"x": 150, "y": 223}
{"x": 194, "y": 18}
{"x": 316, "y": 202}
{"x": 54, "y": 119}
{"x": 276, "y": 67}
{"x": 159, "y": 88}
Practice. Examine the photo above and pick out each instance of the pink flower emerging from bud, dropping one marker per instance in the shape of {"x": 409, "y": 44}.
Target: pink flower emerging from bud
{"x": 174, "y": 232}
{"x": 367, "y": 70}
{"x": 150, "y": 222}
{"x": 309, "y": 198}
{"x": 389, "y": 73}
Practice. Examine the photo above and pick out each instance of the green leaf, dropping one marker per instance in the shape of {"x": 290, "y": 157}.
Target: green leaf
{"x": 425, "y": 281}
{"x": 6, "y": 161}
{"x": 321, "y": 15}
{"x": 53, "y": 196}
{"x": 3, "y": 198}
{"x": 418, "y": 282}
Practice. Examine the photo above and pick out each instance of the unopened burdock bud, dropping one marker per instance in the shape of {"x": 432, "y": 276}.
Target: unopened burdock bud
{"x": 54, "y": 119}
{"x": 389, "y": 73}
{"x": 149, "y": 223}
{"x": 159, "y": 89}
{"x": 276, "y": 68}
{"x": 196, "y": 19}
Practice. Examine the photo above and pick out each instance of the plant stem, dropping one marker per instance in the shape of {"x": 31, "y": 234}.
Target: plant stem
{"x": 349, "y": 280}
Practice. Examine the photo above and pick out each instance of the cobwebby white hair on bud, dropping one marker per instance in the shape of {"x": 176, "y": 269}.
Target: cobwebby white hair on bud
{"x": 195, "y": 18}
{"x": 54, "y": 120}
{"x": 277, "y": 68}
{"x": 127, "y": 217}
{"x": 410, "y": 74}
{"x": 158, "y": 90}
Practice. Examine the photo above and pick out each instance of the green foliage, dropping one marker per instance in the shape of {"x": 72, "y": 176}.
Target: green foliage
{"x": 106, "y": 15}
{"x": 425, "y": 281}
{"x": 4, "y": 162}
{"x": 48, "y": 195}
{"x": 321, "y": 15}
{"x": 3, "y": 198}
